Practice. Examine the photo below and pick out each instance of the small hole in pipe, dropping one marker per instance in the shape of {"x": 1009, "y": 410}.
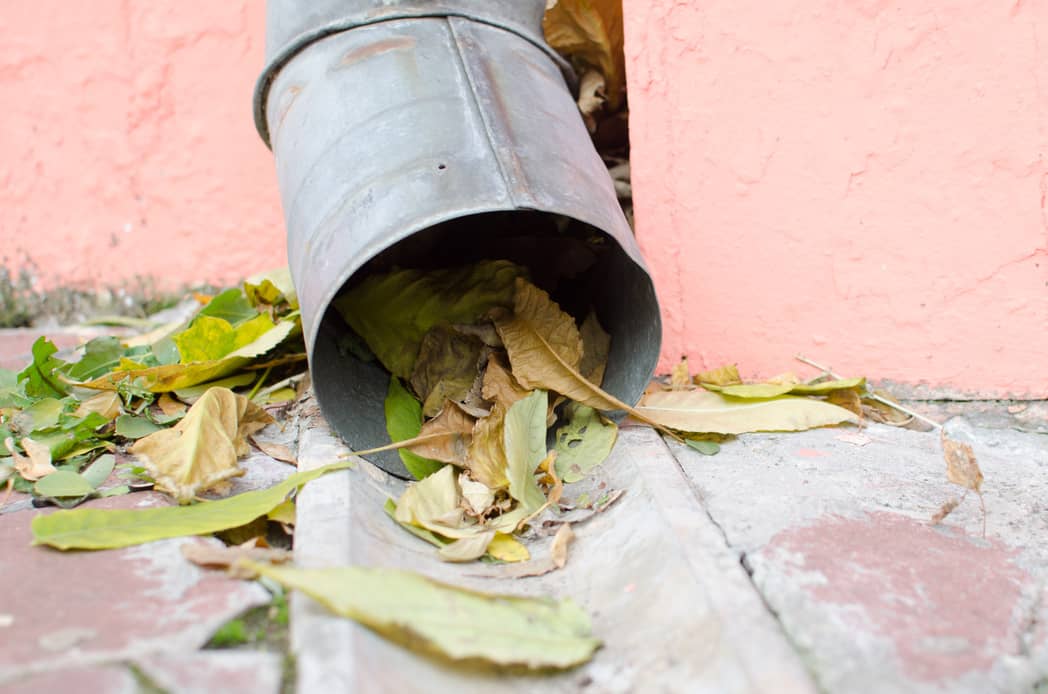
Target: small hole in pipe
{"x": 441, "y": 167}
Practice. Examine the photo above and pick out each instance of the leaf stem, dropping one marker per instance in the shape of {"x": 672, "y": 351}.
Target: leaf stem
{"x": 258, "y": 383}
{"x": 869, "y": 393}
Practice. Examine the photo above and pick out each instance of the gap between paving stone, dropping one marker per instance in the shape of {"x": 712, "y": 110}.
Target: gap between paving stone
{"x": 674, "y": 607}
{"x": 876, "y": 599}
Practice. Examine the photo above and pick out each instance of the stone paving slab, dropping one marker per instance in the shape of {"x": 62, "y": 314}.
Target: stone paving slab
{"x": 874, "y": 597}
{"x": 66, "y": 610}
{"x": 676, "y": 610}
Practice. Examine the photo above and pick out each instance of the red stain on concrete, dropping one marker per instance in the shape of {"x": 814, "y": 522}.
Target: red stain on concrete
{"x": 946, "y": 601}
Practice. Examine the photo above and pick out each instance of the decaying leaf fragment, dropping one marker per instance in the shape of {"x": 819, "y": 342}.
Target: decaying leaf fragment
{"x": 590, "y": 34}
{"x": 201, "y": 451}
{"x": 584, "y": 442}
{"x": 211, "y": 556}
{"x": 448, "y": 436}
{"x": 680, "y": 376}
{"x": 35, "y": 464}
{"x": 446, "y": 367}
{"x": 723, "y": 376}
{"x": 961, "y": 466}
{"x": 444, "y": 620}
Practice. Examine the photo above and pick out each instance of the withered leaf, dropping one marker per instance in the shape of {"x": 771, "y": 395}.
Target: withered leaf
{"x": 106, "y": 403}
{"x": 848, "y": 398}
{"x": 961, "y": 466}
{"x": 276, "y": 451}
{"x": 446, "y": 367}
{"x": 545, "y": 348}
{"x": 201, "y": 451}
{"x": 946, "y": 510}
{"x": 499, "y": 385}
{"x": 487, "y": 455}
{"x": 590, "y": 34}
{"x": 211, "y": 556}
{"x": 169, "y": 406}
{"x": 559, "y": 548}
{"x": 479, "y": 497}
{"x": 722, "y": 376}
{"x": 450, "y": 432}
{"x": 35, "y": 464}
{"x": 467, "y": 548}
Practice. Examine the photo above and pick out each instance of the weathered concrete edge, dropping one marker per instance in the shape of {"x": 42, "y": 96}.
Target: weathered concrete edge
{"x": 760, "y": 643}
{"x": 323, "y": 643}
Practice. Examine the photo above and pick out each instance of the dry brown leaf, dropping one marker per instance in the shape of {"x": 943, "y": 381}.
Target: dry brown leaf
{"x": 590, "y": 34}
{"x": 847, "y": 398}
{"x": 201, "y": 451}
{"x": 36, "y": 462}
{"x": 545, "y": 348}
{"x": 210, "y": 556}
{"x": 946, "y": 510}
{"x": 108, "y": 404}
{"x": 722, "y": 376}
{"x": 487, "y": 453}
{"x": 559, "y": 548}
{"x": 784, "y": 379}
{"x": 596, "y": 344}
{"x": 452, "y": 432}
{"x": 885, "y": 414}
{"x": 276, "y": 451}
{"x": 169, "y": 406}
{"x": 499, "y": 385}
{"x": 961, "y": 466}
{"x": 680, "y": 376}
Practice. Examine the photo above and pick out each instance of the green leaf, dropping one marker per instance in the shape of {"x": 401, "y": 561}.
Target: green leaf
{"x": 101, "y": 355}
{"x": 752, "y": 391}
{"x": 109, "y": 529}
{"x": 583, "y": 443}
{"x": 134, "y": 428}
{"x": 176, "y": 377}
{"x": 700, "y": 411}
{"x": 524, "y": 437}
{"x": 404, "y": 421}
{"x": 42, "y": 414}
{"x": 444, "y": 620}
{"x": 392, "y": 312}
{"x": 99, "y": 472}
{"x": 231, "y": 306}
{"x": 63, "y": 483}
{"x": 704, "y": 447}
{"x": 271, "y": 287}
{"x": 40, "y": 377}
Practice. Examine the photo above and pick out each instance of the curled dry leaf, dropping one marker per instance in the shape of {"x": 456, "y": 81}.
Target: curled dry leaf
{"x": 722, "y": 376}
{"x": 107, "y": 404}
{"x": 467, "y": 548}
{"x": 212, "y": 556}
{"x": 545, "y": 350}
{"x": 961, "y": 466}
{"x": 276, "y": 451}
{"x": 848, "y": 398}
{"x": 596, "y": 345}
{"x": 487, "y": 453}
{"x": 590, "y": 34}
{"x": 169, "y": 406}
{"x": 36, "y": 462}
{"x": 447, "y": 436}
{"x": 946, "y": 510}
{"x": 478, "y": 497}
{"x": 201, "y": 451}
{"x": 591, "y": 97}
{"x": 445, "y": 368}
{"x": 499, "y": 385}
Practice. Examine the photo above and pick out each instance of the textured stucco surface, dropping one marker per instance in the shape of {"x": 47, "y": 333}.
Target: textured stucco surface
{"x": 128, "y": 145}
{"x": 863, "y": 182}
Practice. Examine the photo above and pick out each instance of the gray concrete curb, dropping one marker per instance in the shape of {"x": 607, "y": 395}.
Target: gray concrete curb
{"x": 676, "y": 610}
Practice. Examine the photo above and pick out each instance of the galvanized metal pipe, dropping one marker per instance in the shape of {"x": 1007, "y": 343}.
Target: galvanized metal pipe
{"x": 438, "y": 132}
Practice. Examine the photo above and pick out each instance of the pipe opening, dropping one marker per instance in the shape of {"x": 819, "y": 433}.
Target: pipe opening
{"x": 579, "y": 265}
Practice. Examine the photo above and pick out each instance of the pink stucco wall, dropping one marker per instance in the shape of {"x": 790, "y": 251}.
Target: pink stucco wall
{"x": 864, "y": 182}
{"x": 126, "y": 142}
{"x": 861, "y": 181}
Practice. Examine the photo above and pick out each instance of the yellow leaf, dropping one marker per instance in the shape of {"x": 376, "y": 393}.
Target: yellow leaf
{"x": 201, "y": 450}
{"x": 590, "y": 34}
{"x": 700, "y": 411}
{"x": 434, "y": 503}
{"x": 961, "y": 466}
{"x": 168, "y": 405}
{"x": 508, "y": 549}
{"x": 559, "y": 548}
{"x": 479, "y": 497}
{"x": 283, "y": 513}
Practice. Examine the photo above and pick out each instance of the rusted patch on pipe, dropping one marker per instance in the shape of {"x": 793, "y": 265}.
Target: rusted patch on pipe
{"x": 358, "y": 55}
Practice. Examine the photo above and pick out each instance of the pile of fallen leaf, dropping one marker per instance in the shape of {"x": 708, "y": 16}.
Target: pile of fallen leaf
{"x": 62, "y": 421}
